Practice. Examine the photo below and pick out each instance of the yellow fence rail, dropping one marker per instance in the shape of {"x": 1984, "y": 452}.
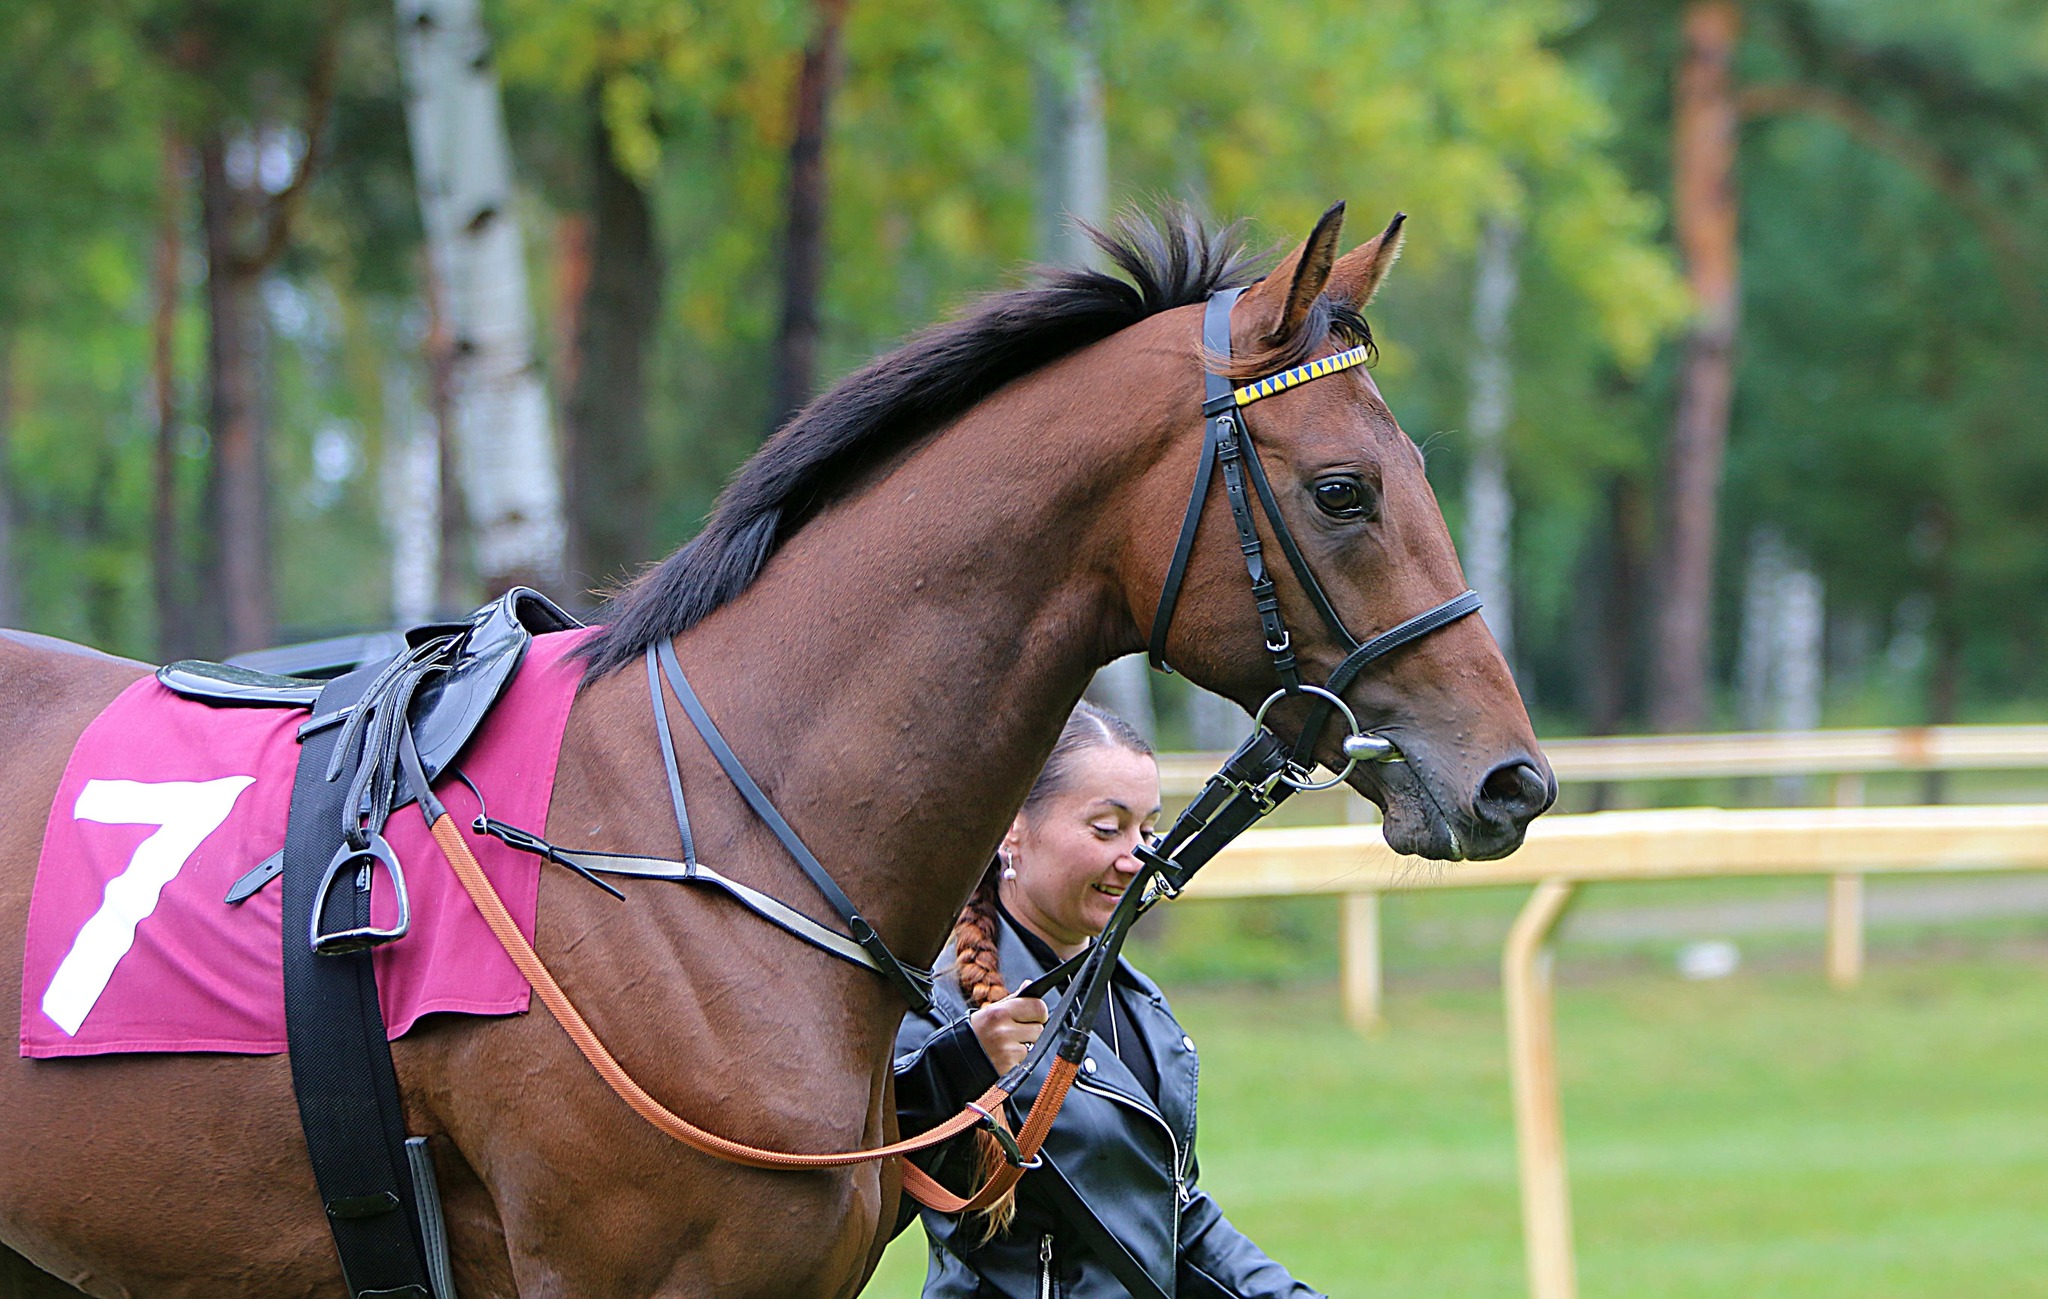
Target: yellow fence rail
{"x": 1847, "y": 755}
{"x": 1759, "y": 753}
{"x": 1563, "y": 852}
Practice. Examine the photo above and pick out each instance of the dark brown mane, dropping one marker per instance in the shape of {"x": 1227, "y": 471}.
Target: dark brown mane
{"x": 904, "y": 395}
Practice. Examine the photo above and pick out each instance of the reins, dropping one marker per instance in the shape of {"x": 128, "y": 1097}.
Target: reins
{"x": 1261, "y": 774}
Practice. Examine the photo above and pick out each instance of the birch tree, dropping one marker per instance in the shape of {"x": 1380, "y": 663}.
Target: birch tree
{"x": 1489, "y": 509}
{"x": 1073, "y": 191}
{"x": 511, "y": 482}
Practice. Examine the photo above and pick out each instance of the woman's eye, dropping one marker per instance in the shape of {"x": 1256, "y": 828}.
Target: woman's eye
{"x": 1342, "y": 498}
{"x": 1106, "y": 831}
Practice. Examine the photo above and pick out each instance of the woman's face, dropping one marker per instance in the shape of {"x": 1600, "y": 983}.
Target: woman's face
{"x": 1072, "y": 854}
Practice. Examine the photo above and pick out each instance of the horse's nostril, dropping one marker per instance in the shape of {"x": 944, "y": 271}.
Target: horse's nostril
{"x": 1515, "y": 790}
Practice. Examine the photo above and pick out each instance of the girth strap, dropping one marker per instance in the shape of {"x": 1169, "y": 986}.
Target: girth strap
{"x": 340, "y": 1056}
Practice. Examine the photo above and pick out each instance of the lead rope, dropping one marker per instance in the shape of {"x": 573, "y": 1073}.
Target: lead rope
{"x": 985, "y": 1110}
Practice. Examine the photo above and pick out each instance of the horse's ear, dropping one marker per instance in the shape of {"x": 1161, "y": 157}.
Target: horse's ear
{"x": 1357, "y": 274}
{"x": 1279, "y": 303}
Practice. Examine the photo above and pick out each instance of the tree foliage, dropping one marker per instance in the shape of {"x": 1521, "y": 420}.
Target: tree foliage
{"x": 1891, "y": 180}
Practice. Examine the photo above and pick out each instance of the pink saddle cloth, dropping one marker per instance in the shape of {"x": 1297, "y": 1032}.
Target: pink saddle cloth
{"x": 166, "y": 802}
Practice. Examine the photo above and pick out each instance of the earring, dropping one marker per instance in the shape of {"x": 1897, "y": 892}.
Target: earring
{"x": 1009, "y": 865}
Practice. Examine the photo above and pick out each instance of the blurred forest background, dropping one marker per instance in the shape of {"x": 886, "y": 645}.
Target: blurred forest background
{"x": 1722, "y": 320}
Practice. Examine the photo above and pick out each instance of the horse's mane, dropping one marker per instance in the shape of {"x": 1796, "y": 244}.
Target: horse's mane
{"x": 903, "y": 396}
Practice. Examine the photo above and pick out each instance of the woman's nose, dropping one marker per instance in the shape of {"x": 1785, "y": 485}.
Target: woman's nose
{"x": 1127, "y": 862}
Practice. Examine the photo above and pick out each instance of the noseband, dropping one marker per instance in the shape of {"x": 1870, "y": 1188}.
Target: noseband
{"x": 1227, "y": 444}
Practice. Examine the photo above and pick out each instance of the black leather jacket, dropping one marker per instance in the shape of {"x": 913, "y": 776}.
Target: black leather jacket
{"x": 1115, "y": 1210}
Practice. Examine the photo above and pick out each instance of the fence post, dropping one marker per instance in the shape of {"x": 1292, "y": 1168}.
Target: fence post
{"x": 1539, "y": 1116}
{"x": 1845, "y": 903}
{"x": 1360, "y": 934}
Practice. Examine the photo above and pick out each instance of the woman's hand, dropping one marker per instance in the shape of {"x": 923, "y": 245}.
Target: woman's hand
{"x": 1006, "y": 1029}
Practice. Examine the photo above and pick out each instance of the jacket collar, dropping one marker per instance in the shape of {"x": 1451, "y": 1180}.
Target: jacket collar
{"x": 1020, "y": 966}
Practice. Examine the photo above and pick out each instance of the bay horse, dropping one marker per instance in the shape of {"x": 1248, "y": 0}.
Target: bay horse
{"x": 890, "y": 612}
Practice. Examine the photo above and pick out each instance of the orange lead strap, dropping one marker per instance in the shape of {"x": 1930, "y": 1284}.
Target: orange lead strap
{"x": 916, "y": 1182}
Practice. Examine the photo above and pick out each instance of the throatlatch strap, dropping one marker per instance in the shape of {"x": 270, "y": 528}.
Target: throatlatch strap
{"x": 342, "y": 1075}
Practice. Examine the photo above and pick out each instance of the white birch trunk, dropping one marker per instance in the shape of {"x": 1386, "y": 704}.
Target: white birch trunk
{"x": 1801, "y": 676}
{"x": 411, "y": 496}
{"x": 1780, "y": 675}
{"x": 1074, "y": 188}
{"x": 1073, "y": 138}
{"x": 1754, "y": 679}
{"x": 510, "y": 477}
{"x": 1489, "y": 509}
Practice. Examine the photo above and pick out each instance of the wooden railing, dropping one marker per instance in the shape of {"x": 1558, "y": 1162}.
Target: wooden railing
{"x": 1562, "y": 852}
{"x": 1846, "y": 755}
{"x": 1745, "y": 753}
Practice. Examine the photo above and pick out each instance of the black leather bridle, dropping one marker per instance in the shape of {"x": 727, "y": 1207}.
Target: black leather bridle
{"x": 1262, "y": 773}
{"x": 1227, "y": 445}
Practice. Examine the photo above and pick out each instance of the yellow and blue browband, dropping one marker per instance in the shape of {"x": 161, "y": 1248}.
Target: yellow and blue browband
{"x": 1286, "y": 379}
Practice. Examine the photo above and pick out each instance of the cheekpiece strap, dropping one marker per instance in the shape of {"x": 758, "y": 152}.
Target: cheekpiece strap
{"x": 1216, "y": 340}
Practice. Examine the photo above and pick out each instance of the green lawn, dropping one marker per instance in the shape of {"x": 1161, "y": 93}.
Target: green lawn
{"x": 1757, "y": 1136}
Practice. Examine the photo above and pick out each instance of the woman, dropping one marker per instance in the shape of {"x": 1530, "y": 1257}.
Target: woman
{"x": 1114, "y": 1209}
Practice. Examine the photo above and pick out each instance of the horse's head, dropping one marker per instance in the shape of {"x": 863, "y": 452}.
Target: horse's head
{"x": 1349, "y": 486}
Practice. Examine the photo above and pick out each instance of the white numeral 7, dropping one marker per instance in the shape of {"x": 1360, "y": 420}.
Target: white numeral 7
{"x": 184, "y": 812}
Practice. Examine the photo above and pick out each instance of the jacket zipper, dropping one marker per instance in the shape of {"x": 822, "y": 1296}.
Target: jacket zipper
{"x": 1180, "y": 1194}
{"x": 1045, "y": 1267}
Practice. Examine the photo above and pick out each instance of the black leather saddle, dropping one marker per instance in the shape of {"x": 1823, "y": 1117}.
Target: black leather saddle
{"x": 476, "y": 659}
{"x": 376, "y": 737}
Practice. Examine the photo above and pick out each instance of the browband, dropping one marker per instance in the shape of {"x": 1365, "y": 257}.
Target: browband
{"x": 1281, "y": 382}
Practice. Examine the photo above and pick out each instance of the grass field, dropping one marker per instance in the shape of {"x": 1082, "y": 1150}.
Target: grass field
{"x": 1755, "y": 1136}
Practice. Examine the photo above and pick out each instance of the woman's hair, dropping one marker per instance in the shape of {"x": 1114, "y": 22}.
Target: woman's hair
{"x": 974, "y": 930}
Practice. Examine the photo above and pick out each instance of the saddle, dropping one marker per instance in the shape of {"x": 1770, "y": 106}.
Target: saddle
{"x": 476, "y": 659}
{"x": 375, "y": 738}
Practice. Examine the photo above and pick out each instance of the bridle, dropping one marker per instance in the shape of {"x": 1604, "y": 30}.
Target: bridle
{"x": 1261, "y": 774}
{"x": 1227, "y": 445}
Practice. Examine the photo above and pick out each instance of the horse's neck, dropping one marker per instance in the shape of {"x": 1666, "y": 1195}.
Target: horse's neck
{"x": 909, "y": 656}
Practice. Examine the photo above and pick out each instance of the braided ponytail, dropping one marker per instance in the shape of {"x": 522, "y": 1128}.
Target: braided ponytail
{"x": 974, "y": 944}
{"x": 977, "y": 961}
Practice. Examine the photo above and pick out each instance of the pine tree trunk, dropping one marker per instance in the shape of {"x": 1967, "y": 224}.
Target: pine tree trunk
{"x": 167, "y": 542}
{"x": 803, "y": 244}
{"x": 611, "y": 488}
{"x": 238, "y": 560}
{"x": 1489, "y": 509}
{"x": 1705, "y": 214}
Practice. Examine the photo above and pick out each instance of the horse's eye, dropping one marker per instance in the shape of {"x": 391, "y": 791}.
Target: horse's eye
{"x": 1342, "y": 498}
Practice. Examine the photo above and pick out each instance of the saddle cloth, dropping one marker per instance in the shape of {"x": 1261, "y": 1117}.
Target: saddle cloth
{"x": 166, "y": 802}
